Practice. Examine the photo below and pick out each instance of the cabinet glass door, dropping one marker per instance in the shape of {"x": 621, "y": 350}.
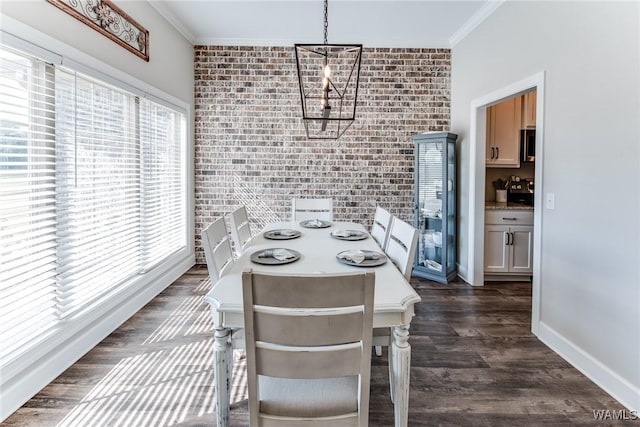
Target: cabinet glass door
{"x": 430, "y": 187}
{"x": 435, "y": 193}
{"x": 450, "y": 228}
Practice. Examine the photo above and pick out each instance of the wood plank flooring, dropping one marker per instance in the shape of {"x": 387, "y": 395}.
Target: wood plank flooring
{"x": 474, "y": 363}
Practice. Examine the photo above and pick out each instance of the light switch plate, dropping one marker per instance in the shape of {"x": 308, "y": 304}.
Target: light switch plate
{"x": 551, "y": 201}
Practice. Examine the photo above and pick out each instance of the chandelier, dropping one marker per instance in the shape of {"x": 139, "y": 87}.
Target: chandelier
{"x": 328, "y": 75}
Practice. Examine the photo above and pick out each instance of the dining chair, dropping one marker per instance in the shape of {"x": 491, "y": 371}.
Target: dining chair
{"x": 308, "y": 348}
{"x": 380, "y": 226}
{"x": 219, "y": 256}
{"x": 401, "y": 245}
{"x": 380, "y": 233}
{"x": 240, "y": 229}
{"x": 401, "y": 249}
{"x": 304, "y": 209}
{"x": 217, "y": 249}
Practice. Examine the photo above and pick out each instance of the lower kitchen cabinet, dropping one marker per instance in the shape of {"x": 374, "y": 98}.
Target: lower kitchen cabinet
{"x": 508, "y": 243}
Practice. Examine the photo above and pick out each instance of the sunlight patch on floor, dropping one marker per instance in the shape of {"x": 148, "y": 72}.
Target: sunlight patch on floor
{"x": 165, "y": 383}
{"x": 155, "y": 388}
{"x": 190, "y": 317}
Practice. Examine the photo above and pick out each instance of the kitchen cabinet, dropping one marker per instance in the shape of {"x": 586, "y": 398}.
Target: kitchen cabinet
{"x": 503, "y": 134}
{"x": 508, "y": 242}
{"x": 529, "y": 110}
{"x": 435, "y": 205}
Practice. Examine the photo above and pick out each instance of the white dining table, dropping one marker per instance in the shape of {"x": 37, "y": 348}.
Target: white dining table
{"x": 393, "y": 305}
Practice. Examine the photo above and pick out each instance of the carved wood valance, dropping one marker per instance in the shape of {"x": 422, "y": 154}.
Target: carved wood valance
{"x": 108, "y": 19}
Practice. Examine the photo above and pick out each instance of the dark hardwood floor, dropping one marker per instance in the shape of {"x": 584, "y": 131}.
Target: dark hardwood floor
{"x": 474, "y": 363}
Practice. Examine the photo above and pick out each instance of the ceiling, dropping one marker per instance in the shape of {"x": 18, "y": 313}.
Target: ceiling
{"x": 373, "y": 23}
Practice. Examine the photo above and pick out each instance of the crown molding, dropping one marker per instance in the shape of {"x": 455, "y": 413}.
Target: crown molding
{"x": 164, "y": 11}
{"x": 476, "y": 19}
{"x": 373, "y": 43}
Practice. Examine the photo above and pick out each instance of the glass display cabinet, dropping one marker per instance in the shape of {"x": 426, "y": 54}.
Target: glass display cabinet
{"x": 435, "y": 205}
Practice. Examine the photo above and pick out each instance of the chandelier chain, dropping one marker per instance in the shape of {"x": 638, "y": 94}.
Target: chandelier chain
{"x": 326, "y": 20}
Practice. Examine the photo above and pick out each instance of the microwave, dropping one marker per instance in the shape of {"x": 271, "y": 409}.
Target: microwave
{"x": 527, "y": 145}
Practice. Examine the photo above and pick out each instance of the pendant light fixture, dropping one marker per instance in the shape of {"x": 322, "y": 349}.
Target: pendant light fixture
{"x": 328, "y": 75}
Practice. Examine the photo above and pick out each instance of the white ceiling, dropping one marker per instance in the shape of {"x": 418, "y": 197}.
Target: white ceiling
{"x": 373, "y": 23}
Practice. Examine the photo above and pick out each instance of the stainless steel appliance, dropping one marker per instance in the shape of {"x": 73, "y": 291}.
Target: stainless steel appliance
{"x": 521, "y": 191}
{"x": 527, "y": 145}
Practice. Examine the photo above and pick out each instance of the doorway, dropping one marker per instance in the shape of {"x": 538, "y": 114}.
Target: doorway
{"x": 477, "y": 150}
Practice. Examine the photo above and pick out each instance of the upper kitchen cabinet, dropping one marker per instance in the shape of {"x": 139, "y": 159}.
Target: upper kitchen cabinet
{"x": 503, "y": 134}
{"x": 529, "y": 110}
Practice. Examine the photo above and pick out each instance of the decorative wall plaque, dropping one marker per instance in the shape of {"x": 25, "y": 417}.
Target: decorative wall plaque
{"x": 108, "y": 19}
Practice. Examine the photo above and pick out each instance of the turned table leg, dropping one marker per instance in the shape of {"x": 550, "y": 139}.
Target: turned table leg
{"x": 221, "y": 363}
{"x": 401, "y": 362}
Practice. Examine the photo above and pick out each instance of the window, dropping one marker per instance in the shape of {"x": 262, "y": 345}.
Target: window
{"x": 27, "y": 201}
{"x": 92, "y": 194}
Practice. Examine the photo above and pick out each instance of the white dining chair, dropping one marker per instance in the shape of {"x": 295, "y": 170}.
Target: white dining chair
{"x": 380, "y": 227}
{"x": 217, "y": 249}
{"x": 380, "y": 233}
{"x": 240, "y": 229}
{"x": 308, "y": 346}
{"x": 219, "y": 256}
{"x": 401, "y": 245}
{"x": 304, "y": 209}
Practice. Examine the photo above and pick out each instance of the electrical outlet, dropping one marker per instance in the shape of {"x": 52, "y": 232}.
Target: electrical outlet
{"x": 551, "y": 201}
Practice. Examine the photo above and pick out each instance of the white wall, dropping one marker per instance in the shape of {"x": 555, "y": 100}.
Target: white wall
{"x": 168, "y": 76}
{"x": 590, "y": 243}
{"x": 170, "y": 66}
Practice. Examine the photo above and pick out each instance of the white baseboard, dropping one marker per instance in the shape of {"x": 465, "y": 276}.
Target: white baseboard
{"x": 507, "y": 277}
{"x": 18, "y": 390}
{"x": 619, "y": 388}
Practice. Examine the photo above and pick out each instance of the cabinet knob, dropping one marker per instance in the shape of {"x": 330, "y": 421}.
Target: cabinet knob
{"x": 504, "y": 218}
{"x": 497, "y": 152}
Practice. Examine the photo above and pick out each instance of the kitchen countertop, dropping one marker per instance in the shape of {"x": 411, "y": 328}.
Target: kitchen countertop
{"x": 508, "y": 206}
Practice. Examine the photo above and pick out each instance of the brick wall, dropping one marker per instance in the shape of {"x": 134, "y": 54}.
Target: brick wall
{"x": 251, "y": 148}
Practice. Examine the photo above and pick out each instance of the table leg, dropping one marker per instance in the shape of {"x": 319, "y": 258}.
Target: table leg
{"x": 401, "y": 367}
{"x": 392, "y": 379}
{"x": 221, "y": 355}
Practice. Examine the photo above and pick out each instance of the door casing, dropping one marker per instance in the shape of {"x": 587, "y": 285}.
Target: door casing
{"x": 477, "y": 147}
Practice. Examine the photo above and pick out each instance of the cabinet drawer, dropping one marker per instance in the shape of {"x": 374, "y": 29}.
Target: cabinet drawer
{"x": 508, "y": 217}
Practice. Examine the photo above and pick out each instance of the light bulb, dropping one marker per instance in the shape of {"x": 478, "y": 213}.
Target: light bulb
{"x": 327, "y": 71}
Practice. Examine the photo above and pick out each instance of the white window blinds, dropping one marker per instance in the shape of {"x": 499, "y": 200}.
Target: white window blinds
{"x": 92, "y": 195}
{"x": 98, "y": 188}
{"x": 162, "y": 134}
{"x": 27, "y": 201}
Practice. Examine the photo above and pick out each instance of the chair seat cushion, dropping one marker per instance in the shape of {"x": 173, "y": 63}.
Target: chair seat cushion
{"x": 308, "y": 398}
